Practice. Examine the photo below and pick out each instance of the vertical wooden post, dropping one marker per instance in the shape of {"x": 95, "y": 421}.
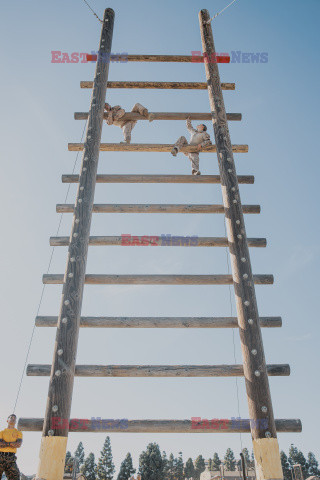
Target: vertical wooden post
{"x": 56, "y": 421}
{"x": 263, "y": 430}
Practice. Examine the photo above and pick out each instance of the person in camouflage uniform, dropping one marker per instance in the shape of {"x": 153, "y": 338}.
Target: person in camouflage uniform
{"x": 199, "y": 137}
{"x": 116, "y": 113}
{"x": 10, "y": 440}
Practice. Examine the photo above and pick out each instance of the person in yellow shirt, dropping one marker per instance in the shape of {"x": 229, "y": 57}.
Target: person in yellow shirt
{"x": 10, "y": 440}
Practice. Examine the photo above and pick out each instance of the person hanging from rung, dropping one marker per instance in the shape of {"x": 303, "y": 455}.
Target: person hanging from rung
{"x": 198, "y": 137}
{"x": 115, "y": 114}
{"x": 10, "y": 440}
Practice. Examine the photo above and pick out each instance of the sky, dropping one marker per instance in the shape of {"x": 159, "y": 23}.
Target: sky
{"x": 279, "y": 102}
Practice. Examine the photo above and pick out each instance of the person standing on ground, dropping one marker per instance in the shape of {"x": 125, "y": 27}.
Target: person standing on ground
{"x": 10, "y": 440}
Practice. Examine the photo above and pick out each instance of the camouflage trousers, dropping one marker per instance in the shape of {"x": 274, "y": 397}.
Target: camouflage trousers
{"x": 193, "y": 157}
{"x": 9, "y": 467}
{"x": 129, "y": 126}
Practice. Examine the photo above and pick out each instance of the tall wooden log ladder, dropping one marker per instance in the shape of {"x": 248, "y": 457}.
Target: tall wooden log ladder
{"x": 63, "y": 368}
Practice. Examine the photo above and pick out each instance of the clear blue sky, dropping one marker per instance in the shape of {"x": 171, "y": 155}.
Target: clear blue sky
{"x": 279, "y": 101}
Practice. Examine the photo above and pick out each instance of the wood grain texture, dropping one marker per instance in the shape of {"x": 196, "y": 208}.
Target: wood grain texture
{"x": 101, "y": 279}
{"x": 164, "y": 116}
{"x": 160, "y": 426}
{"x": 65, "y": 350}
{"x": 256, "y": 378}
{"x": 151, "y": 147}
{"x": 150, "y": 241}
{"x": 135, "y": 371}
{"x": 197, "y": 179}
{"x": 159, "y": 85}
{"x": 169, "y": 58}
{"x": 155, "y": 208}
{"x": 159, "y": 322}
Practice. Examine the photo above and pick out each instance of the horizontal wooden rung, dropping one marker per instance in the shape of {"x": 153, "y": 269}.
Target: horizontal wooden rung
{"x": 159, "y": 322}
{"x": 123, "y": 58}
{"x": 243, "y": 179}
{"x": 158, "y": 370}
{"x": 101, "y": 279}
{"x": 155, "y": 208}
{"x": 159, "y": 85}
{"x": 164, "y": 116}
{"x": 151, "y": 147}
{"x": 160, "y": 240}
{"x": 125, "y": 425}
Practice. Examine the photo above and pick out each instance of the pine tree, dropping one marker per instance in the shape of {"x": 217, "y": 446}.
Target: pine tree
{"x": 89, "y": 467}
{"x": 313, "y": 465}
{"x": 230, "y": 461}
{"x": 171, "y": 466}
{"x": 199, "y": 467}
{"x": 126, "y": 468}
{"x": 216, "y": 462}
{"x": 150, "y": 463}
{"x": 210, "y": 464}
{"x": 297, "y": 457}
{"x": 79, "y": 455}
{"x": 105, "y": 468}
{"x": 165, "y": 466}
{"x": 189, "y": 469}
{"x": 179, "y": 468}
{"x": 285, "y": 466}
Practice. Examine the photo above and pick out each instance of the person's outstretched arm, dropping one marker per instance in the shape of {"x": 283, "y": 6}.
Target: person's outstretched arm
{"x": 189, "y": 126}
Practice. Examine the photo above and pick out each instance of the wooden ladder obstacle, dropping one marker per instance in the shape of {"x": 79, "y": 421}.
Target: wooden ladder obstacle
{"x": 263, "y": 426}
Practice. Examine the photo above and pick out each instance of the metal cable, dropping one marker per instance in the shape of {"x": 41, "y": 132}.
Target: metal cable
{"x": 94, "y": 13}
{"x": 219, "y": 13}
{"x": 44, "y": 286}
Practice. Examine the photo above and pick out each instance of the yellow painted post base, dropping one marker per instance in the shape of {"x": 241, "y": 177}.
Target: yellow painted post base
{"x": 267, "y": 459}
{"x": 52, "y": 458}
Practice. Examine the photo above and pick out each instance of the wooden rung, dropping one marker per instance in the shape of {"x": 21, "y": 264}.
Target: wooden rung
{"x": 155, "y": 208}
{"x": 160, "y": 85}
{"x": 151, "y": 147}
{"x": 159, "y": 322}
{"x": 123, "y": 58}
{"x": 157, "y": 241}
{"x": 101, "y": 279}
{"x": 163, "y": 116}
{"x": 277, "y": 370}
{"x": 243, "y": 179}
{"x": 158, "y": 426}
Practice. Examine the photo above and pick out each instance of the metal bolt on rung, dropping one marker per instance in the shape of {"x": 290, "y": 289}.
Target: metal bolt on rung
{"x": 254, "y": 352}
{"x": 243, "y": 259}
{"x": 55, "y": 408}
{"x": 268, "y": 434}
{"x": 60, "y": 352}
{"x": 238, "y": 222}
{"x": 70, "y": 275}
{"x": 245, "y": 276}
{"x": 239, "y": 236}
{"x": 80, "y": 200}
{"x": 72, "y": 259}
{"x": 50, "y": 433}
{"x": 66, "y": 302}
{"x": 257, "y": 373}
{"x": 250, "y": 321}
{"x": 81, "y": 188}
{"x": 264, "y": 409}
{"x": 247, "y": 303}
{"x": 57, "y": 373}
{"x": 64, "y": 320}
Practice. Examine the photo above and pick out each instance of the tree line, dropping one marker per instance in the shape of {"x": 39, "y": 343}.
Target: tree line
{"x": 154, "y": 465}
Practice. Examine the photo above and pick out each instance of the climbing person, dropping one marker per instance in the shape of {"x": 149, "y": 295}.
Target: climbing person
{"x": 199, "y": 137}
{"x": 10, "y": 440}
{"x": 115, "y": 114}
